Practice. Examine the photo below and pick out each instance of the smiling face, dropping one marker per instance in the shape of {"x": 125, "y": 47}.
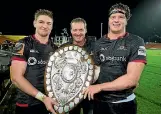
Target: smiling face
{"x": 117, "y": 23}
{"x": 78, "y": 31}
{"x": 43, "y": 25}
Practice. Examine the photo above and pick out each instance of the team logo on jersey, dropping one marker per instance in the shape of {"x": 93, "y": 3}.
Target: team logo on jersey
{"x": 122, "y": 48}
{"x": 142, "y": 51}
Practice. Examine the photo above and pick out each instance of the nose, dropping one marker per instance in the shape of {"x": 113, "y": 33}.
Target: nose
{"x": 45, "y": 25}
{"x": 78, "y": 32}
{"x": 116, "y": 19}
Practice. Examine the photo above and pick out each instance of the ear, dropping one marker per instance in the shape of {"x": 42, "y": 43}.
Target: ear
{"x": 34, "y": 23}
{"x": 86, "y": 30}
{"x": 126, "y": 23}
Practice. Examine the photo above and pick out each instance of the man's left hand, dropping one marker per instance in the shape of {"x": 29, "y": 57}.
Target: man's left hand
{"x": 91, "y": 90}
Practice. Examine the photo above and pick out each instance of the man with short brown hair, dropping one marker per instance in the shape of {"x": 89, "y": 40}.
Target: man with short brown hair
{"x": 28, "y": 68}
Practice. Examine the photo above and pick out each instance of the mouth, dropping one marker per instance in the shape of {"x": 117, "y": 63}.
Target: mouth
{"x": 116, "y": 24}
{"x": 78, "y": 36}
{"x": 43, "y": 29}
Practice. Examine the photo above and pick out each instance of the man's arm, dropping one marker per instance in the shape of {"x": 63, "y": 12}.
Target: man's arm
{"x": 126, "y": 81}
{"x": 18, "y": 69}
{"x": 134, "y": 71}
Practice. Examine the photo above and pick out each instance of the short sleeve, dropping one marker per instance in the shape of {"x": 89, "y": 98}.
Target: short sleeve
{"x": 21, "y": 51}
{"x": 138, "y": 51}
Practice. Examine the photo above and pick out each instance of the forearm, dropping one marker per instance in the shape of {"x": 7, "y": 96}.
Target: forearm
{"x": 121, "y": 83}
{"x": 126, "y": 81}
{"x": 24, "y": 85}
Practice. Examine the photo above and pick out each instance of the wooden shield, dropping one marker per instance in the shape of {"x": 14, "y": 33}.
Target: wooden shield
{"x": 69, "y": 71}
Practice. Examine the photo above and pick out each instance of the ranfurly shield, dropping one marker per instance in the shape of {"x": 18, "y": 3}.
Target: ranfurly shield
{"x": 69, "y": 71}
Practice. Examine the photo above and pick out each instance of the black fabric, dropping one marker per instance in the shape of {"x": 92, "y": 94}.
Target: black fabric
{"x": 36, "y": 109}
{"x": 113, "y": 57}
{"x": 115, "y": 108}
{"x": 36, "y": 55}
{"x": 86, "y": 105}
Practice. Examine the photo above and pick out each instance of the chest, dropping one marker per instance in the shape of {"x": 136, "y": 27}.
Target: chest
{"x": 39, "y": 54}
{"x": 115, "y": 51}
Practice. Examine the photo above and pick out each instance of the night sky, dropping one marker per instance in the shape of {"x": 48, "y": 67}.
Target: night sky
{"x": 17, "y": 19}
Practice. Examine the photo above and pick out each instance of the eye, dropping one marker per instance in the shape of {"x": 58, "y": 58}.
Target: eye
{"x": 113, "y": 17}
{"x": 74, "y": 30}
{"x": 81, "y": 30}
{"x": 40, "y": 21}
{"x": 49, "y": 23}
{"x": 122, "y": 17}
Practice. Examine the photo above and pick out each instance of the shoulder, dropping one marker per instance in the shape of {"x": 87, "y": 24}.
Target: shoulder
{"x": 55, "y": 46}
{"x": 90, "y": 39}
{"x": 26, "y": 40}
{"x": 99, "y": 41}
{"x": 134, "y": 40}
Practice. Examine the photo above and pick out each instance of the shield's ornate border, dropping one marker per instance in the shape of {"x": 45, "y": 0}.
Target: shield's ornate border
{"x": 61, "y": 109}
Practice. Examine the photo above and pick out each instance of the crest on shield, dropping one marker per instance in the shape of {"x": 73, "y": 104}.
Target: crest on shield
{"x": 69, "y": 71}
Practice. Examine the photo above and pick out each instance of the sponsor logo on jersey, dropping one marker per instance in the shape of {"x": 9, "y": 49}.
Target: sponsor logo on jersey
{"x": 111, "y": 58}
{"x": 34, "y": 61}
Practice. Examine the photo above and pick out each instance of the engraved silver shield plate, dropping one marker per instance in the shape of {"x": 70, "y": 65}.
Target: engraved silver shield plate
{"x": 69, "y": 71}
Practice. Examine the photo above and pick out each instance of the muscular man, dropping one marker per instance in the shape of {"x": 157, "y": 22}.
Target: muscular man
{"x": 121, "y": 57}
{"x": 27, "y": 69}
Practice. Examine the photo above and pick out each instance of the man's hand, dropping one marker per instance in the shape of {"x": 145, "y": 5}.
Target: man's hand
{"x": 49, "y": 103}
{"x": 91, "y": 90}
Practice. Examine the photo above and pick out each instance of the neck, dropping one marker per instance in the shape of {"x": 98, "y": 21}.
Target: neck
{"x": 81, "y": 43}
{"x": 42, "y": 39}
{"x": 113, "y": 35}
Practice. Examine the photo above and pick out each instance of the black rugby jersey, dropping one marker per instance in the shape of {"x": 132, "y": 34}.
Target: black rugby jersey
{"x": 113, "y": 57}
{"x": 36, "y": 55}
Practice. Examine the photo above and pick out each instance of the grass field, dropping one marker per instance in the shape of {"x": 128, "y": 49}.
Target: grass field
{"x": 149, "y": 91}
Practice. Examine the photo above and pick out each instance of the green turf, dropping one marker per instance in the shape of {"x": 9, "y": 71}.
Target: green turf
{"x": 149, "y": 91}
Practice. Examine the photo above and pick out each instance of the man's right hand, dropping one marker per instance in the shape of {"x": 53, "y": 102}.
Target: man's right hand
{"x": 49, "y": 103}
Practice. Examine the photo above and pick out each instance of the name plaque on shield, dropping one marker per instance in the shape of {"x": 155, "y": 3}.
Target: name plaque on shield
{"x": 69, "y": 71}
